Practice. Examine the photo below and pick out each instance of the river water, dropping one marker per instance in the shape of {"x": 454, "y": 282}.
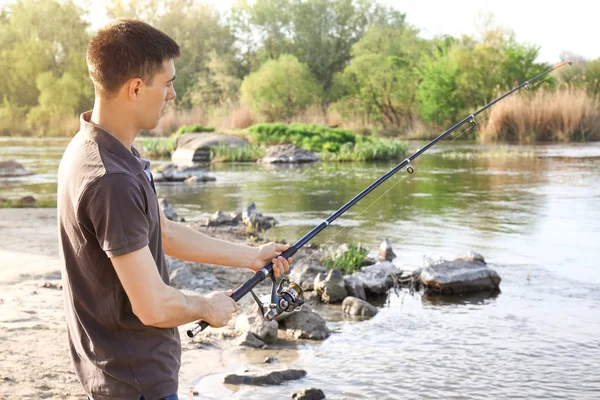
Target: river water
{"x": 533, "y": 212}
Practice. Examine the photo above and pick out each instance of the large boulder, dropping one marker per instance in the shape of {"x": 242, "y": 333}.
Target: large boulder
{"x": 287, "y": 153}
{"x": 9, "y": 169}
{"x": 377, "y": 278}
{"x": 459, "y": 276}
{"x": 305, "y": 324}
{"x": 308, "y": 394}
{"x": 195, "y": 147}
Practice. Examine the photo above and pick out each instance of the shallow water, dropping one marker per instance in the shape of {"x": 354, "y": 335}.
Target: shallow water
{"x": 532, "y": 212}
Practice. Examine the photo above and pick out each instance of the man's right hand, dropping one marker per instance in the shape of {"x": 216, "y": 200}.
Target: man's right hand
{"x": 221, "y": 308}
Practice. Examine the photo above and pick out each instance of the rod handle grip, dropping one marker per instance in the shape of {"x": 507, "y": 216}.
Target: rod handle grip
{"x": 198, "y": 327}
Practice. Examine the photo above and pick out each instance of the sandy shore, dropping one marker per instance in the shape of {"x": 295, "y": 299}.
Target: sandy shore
{"x": 34, "y": 354}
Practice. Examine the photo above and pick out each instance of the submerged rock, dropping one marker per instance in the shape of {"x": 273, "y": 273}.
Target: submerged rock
{"x": 272, "y": 378}
{"x": 354, "y": 306}
{"x": 308, "y": 394}
{"x": 9, "y": 169}
{"x": 179, "y": 173}
{"x": 459, "y": 276}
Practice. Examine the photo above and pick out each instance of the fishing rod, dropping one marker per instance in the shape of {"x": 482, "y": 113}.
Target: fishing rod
{"x": 287, "y": 296}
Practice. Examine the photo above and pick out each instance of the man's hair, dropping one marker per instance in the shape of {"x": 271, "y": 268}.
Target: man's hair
{"x": 126, "y": 49}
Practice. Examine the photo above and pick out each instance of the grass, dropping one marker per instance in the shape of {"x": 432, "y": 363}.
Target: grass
{"x": 248, "y": 153}
{"x": 563, "y": 115}
{"x": 158, "y": 147}
{"x": 348, "y": 262}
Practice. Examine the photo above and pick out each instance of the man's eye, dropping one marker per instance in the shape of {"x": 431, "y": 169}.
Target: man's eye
{"x": 169, "y": 84}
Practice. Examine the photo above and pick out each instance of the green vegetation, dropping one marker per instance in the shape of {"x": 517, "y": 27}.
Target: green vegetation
{"x": 348, "y": 262}
{"x": 353, "y": 64}
{"x": 158, "y": 147}
{"x": 196, "y": 128}
{"x": 5, "y": 203}
{"x": 333, "y": 144}
{"x": 308, "y": 137}
{"x": 225, "y": 153}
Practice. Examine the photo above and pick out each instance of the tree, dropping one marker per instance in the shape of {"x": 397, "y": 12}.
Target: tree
{"x": 382, "y": 75}
{"x": 320, "y": 33}
{"x": 195, "y": 26}
{"x": 280, "y": 89}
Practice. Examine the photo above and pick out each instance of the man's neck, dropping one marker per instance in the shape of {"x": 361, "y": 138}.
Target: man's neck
{"x": 110, "y": 117}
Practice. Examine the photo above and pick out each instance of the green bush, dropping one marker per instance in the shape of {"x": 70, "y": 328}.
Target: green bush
{"x": 280, "y": 89}
{"x": 196, "y": 128}
{"x": 348, "y": 262}
{"x": 308, "y": 137}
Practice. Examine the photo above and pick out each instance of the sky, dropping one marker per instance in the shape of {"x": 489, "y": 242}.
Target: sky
{"x": 556, "y": 27}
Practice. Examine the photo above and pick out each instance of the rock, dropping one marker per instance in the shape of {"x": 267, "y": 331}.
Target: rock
{"x": 354, "y": 287}
{"x": 287, "y": 153}
{"x": 181, "y": 276}
{"x": 308, "y": 394}
{"x": 269, "y": 360}
{"x": 10, "y": 169}
{"x": 179, "y": 173}
{"x": 454, "y": 277}
{"x": 305, "y": 324}
{"x": 255, "y": 220}
{"x": 255, "y": 323}
{"x": 27, "y": 201}
{"x": 272, "y": 378}
{"x": 385, "y": 251}
{"x": 220, "y": 218}
{"x": 249, "y": 340}
{"x": 377, "y": 278}
{"x": 201, "y": 178}
{"x": 195, "y": 147}
{"x": 331, "y": 288}
{"x": 167, "y": 208}
{"x": 304, "y": 275}
{"x": 354, "y": 306}
{"x": 471, "y": 256}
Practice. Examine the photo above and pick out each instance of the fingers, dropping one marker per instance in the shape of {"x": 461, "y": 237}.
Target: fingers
{"x": 281, "y": 247}
{"x": 280, "y": 265}
{"x": 235, "y": 305}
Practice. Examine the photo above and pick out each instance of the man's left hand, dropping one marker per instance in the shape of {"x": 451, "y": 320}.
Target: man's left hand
{"x": 271, "y": 252}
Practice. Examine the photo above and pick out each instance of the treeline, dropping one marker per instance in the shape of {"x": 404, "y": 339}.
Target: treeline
{"x": 352, "y": 63}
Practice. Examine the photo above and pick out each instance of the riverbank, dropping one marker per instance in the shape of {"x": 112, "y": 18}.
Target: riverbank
{"x": 33, "y": 340}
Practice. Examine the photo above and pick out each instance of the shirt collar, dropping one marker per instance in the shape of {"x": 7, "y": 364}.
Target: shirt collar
{"x": 98, "y": 135}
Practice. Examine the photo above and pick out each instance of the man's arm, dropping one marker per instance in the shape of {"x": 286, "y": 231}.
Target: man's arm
{"x": 184, "y": 243}
{"x": 160, "y": 305}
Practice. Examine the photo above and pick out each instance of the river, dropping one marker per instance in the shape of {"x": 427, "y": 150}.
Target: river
{"x": 533, "y": 212}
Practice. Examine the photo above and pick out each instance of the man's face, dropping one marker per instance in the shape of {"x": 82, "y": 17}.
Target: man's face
{"x": 152, "y": 102}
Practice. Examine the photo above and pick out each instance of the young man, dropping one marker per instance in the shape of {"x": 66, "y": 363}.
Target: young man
{"x": 121, "y": 312}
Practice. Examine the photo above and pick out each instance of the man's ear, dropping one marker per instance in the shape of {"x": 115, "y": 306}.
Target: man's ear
{"x": 133, "y": 88}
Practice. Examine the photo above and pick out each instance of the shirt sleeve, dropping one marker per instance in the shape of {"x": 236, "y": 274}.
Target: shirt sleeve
{"x": 113, "y": 209}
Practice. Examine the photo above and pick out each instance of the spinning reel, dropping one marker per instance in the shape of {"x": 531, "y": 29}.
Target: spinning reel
{"x": 286, "y": 297}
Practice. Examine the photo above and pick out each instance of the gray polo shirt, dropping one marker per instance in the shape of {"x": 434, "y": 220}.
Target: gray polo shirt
{"x": 107, "y": 207}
